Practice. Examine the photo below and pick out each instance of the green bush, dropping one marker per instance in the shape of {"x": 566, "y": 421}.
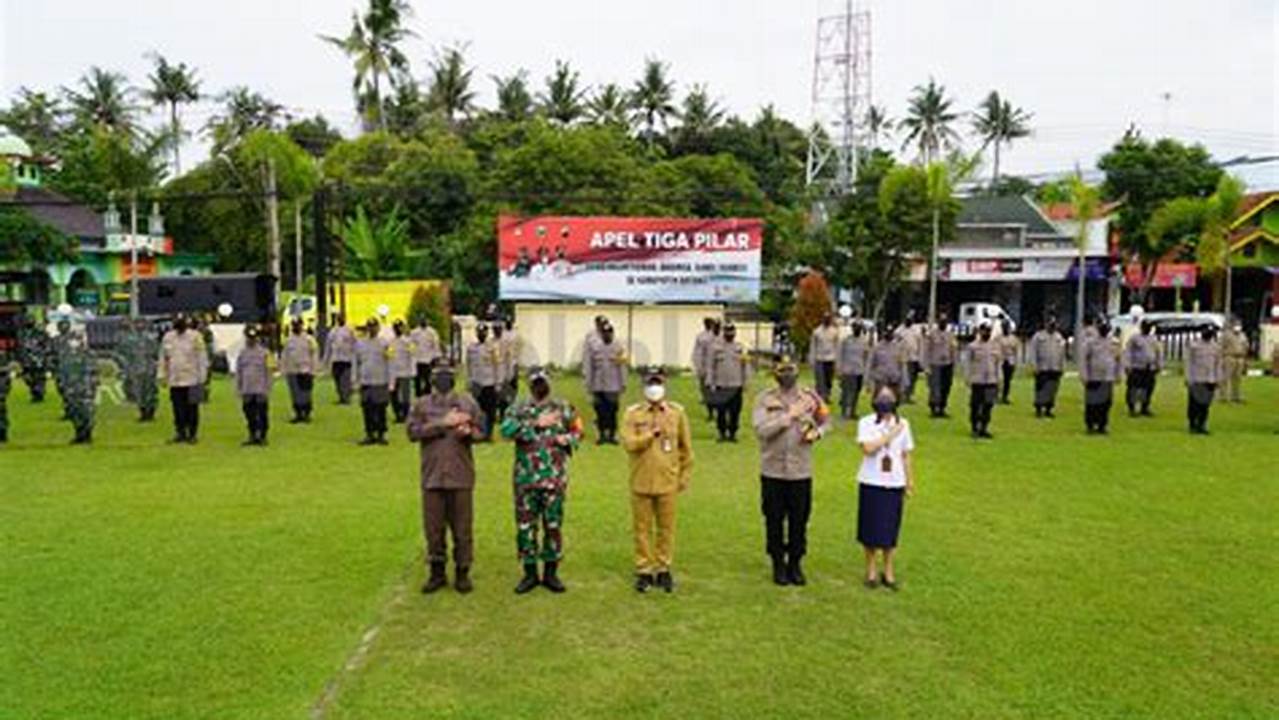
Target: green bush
{"x": 431, "y": 302}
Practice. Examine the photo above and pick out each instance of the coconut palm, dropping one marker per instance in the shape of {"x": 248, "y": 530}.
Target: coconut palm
{"x": 373, "y": 46}
{"x": 653, "y": 99}
{"x": 1213, "y": 250}
{"x": 700, "y": 116}
{"x": 928, "y": 121}
{"x": 877, "y": 122}
{"x": 243, "y": 111}
{"x": 562, "y": 101}
{"x": 173, "y": 85}
{"x": 104, "y": 100}
{"x": 450, "y": 91}
{"x": 514, "y": 102}
{"x": 609, "y": 106}
{"x": 999, "y": 123}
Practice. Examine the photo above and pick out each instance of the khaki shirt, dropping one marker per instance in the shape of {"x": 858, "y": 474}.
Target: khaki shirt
{"x": 887, "y": 362}
{"x": 1008, "y": 347}
{"x": 824, "y": 345}
{"x": 253, "y": 371}
{"x": 785, "y": 445}
{"x": 940, "y": 348}
{"x": 1142, "y": 353}
{"x": 605, "y": 368}
{"x": 299, "y": 355}
{"x": 1101, "y": 360}
{"x": 446, "y": 460}
{"x": 510, "y": 355}
{"x": 401, "y": 363}
{"x": 701, "y": 353}
{"x": 1234, "y": 344}
{"x": 340, "y": 346}
{"x": 660, "y": 446}
{"x": 484, "y": 363}
{"x": 1204, "y": 362}
{"x": 371, "y": 366}
{"x": 426, "y": 345}
{"x": 730, "y": 365}
{"x": 983, "y": 358}
{"x": 912, "y": 342}
{"x": 854, "y": 355}
{"x": 1047, "y": 351}
{"x": 184, "y": 361}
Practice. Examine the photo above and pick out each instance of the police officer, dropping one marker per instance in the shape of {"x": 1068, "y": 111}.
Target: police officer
{"x": 940, "y": 349}
{"x": 372, "y": 372}
{"x": 339, "y": 356}
{"x": 887, "y": 363}
{"x": 504, "y": 374}
{"x": 299, "y": 361}
{"x": 657, "y": 439}
{"x": 729, "y": 373}
{"x": 184, "y": 367}
{"x": 605, "y": 374}
{"x": 1141, "y": 362}
{"x": 426, "y": 350}
{"x": 1009, "y": 346}
{"x": 511, "y": 348}
{"x": 483, "y": 370}
{"x": 403, "y": 369}
{"x": 702, "y": 347}
{"x": 982, "y": 357}
{"x": 1098, "y": 372}
{"x": 545, "y": 431}
{"x": 854, "y": 356}
{"x": 80, "y": 385}
{"x": 253, "y": 379}
{"x": 445, "y": 424}
{"x": 1234, "y": 347}
{"x": 33, "y": 356}
{"x": 787, "y": 419}
{"x": 1204, "y": 370}
{"x": 911, "y": 335}
{"x": 823, "y": 348}
{"x": 1047, "y": 358}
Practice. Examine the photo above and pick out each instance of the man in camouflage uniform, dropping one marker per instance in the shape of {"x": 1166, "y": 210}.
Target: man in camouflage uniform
{"x": 80, "y": 385}
{"x": 58, "y": 348}
{"x": 1141, "y": 363}
{"x": 33, "y": 355}
{"x": 982, "y": 359}
{"x": 545, "y": 431}
{"x": 137, "y": 352}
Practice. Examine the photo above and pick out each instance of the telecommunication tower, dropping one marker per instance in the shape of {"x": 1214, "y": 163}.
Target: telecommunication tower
{"x": 841, "y": 96}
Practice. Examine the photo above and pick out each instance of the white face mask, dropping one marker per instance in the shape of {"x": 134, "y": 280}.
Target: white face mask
{"x": 654, "y": 393}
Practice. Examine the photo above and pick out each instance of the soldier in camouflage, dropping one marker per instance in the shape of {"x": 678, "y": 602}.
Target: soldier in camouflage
{"x": 33, "y": 355}
{"x": 79, "y": 373}
{"x": 57, "y": 350}
{"x": 545, "y": 431}
{"x": 137, "y": 354}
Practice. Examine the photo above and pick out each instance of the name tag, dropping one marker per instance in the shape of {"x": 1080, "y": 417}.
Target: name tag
{"x": 667, "y": 445}
{"x": 886, "y": 464}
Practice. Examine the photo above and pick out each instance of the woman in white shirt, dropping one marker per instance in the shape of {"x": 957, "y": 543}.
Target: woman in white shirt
{"x": 884, "y": 480}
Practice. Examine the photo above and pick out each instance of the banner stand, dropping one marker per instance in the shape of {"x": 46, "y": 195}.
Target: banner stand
{"x": 630, "y": 336}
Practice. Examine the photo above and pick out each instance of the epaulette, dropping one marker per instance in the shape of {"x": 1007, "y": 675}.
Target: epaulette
{"x": 636, "y": 406}
{"x": 675, "y": 405}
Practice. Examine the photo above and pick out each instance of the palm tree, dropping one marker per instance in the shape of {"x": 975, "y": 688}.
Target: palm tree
{"x": 700, "y": 116}
{"x": 37, "y": 117}
{"x": 1085, "y": 201}
{"x": 609, "y": 106}
{"x": 372, "y": 44}
{"x": 105, "y": 100}
{"x": 928, "y": 121}
{"x": 243, "y": 112}
{"x": 450, "y": 91}
{"x": 562, "y": 101}
{"x": 999, "y": 123}
{"x": 653, "y": 99}
{"x": 514, "y": 102}
{"x": 877, "y": 122}
{"x": 173, "y": 85}
{"x": 1213, "y": 249}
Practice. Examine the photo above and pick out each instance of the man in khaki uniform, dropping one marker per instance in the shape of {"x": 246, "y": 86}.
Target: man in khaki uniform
{"x": 823, "y": 350}
{"x": 511, "y": 349}
{"x": 729, "y": 374}
{"x": 940, "y": 350}
{"x": 403, "y": 371}
{"x": 1204, "y": 361}
{"x": 339, "y": 356}
{"x": 887, "y": 366}
{"x": 1234, "y": 348}
{"x": 1141, "y": 364}
{"x": 787, "y": 420}
{"x": 184, "y": 367}
{"x": 656, "y": 436}
{"x": 982, "y": 359}
{"x": 912, "y": 340}
{"x": 299, "y": 362}
{"x": 253, "y": 384}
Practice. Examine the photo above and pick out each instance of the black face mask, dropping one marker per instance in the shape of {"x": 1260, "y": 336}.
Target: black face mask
{"x": 730, "y": 337}
{"x": 857, "y": 331}
{"x": 786, "y": 380}
{"x": 984, "y": 335}
{"x": 540, "y": 389}
{"x": 607, "y": 337}
{"x": 180, "y": 325}
{"x": 442, "y": 383}
{"x": 884, "y": 407}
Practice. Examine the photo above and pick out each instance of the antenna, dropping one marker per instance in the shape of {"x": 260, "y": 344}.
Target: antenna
{"x": 841, "y": 96}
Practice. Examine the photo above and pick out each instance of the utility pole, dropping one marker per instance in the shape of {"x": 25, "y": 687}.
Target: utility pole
{"x": 133, "y": 256}
{"x": 297, "y": 237}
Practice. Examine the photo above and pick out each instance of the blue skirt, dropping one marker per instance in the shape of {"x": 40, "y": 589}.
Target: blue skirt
{"x": 879, "y": 515}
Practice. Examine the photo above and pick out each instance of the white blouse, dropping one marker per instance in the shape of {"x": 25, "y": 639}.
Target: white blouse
{"x": 884, "y": 467}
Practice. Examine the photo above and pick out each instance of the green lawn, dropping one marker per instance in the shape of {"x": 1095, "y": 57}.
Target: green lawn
{"x": 1046, "y": 574}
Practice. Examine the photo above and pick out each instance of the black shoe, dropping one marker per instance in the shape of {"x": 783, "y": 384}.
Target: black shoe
{"x": 780, "y": 576}
{"x": 1048, "y": 413}
{"x": 551, "y": 578}
{"x": 437, "y": 579}
{"x": 890, "y": 584}
{"x": 529, "y": 581}
{"x": 643, "y": 581}
{"x": 382, "y": 440}
{"x": 1145, "y": 412}
{"x": 985, "y": 435}
{"x": 665, "y": 581}
{"x": 462, "y": 581}
{"x": 295, "y": 419}
{"x": 870, "y": 583}
{"x": 367, "y": 441}
{"x": 796, "y": 572}
{"x": 250, "y": 441}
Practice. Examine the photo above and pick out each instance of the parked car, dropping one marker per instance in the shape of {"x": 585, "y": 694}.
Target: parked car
{"x": 973, "y": 314}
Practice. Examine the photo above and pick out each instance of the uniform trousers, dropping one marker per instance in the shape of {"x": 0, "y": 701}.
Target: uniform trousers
{"x": 186, "y": 409}
{"x": 1008, "y": 370}
{"x": 1098, "y": 397}
{"x": 486, "y": 397}
{"x": 402, "y": 398}
{"x": 645, "y": 511}
{"x": 1140, "y": 389}
{"x": 850, "y": 387}
{"x": 1046, "y": 384}
{"x": 824, "y": 377}
{"x": 256, "y": 412}
{"x": 1234, "y": 367}
{"x": 912, "y": 374}
{"x": 539, "y": 509}
{"x": 342, "y": 381}
{"x": 300, "y": 385}
{"x": 728, "y": 411}
{"x": 980, "y": 402}
{"x": 786, "y": 505}
{"x": 605, "y": 413}
{"x": 1198, "y": 401}
{"x": 373, "y": 401}
{"x": 422, "y": 379}
{"x": 448, "y": 511}
{"x": 940, "y": 379}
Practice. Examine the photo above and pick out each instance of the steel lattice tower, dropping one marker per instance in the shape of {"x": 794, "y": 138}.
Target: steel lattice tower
{"x": 841, "y": 97}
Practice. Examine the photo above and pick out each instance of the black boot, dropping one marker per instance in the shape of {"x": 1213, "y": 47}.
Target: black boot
{"x": 780, "y": 576}
{"x": 4, "y": 435}
{"x": 462, "y": 581}
{"x": 551, "y": 578}
{"x": 529, "y": 581}
{"x": 437, "y": 579}
{"x": 82, "y": 437}
{"x": 796, "y": 572}
{"x": 665, "y": 581}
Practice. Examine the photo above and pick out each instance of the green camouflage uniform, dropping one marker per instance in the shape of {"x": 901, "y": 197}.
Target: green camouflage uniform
{"x": 33, "y": 355}
{"x": 206, "y": 333}
{"x": 541, "y": 475}
{"x": 58, "y": 348}
{"x": 79, "y": 373}
{"x": 137, "y": 354}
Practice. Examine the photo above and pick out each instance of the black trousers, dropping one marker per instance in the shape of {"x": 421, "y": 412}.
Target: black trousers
{"x": 1140, "y": 390}
{"x": 850, "y": 387}
{"x": 256, "y": 412}
{"x": 940, "y": 380}
{"x": 373, "y": 402}
{"x": 486, "y": 396}
{"x": 912, "y": 375}
{"x": 342, "y": 381}
{"x": 728, "y": 413}
{"x": 1047, "y": 383}
{"x": 186, "y": 410}
{"x": 401, "y": 398}
{"x": 422, "y": 380}
{"x": 823, "y": 378}
{"x": 606, "y": 413}
{"x": 1008, "y": 370}
{"x": 786, "y": 505}
{"x": 1198, "y": 401}
{"x": 35, "y": 380}
{"x": 980, "y": 403}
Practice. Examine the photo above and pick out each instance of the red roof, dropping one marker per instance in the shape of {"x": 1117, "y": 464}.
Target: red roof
{"x": 1064, "y": 211}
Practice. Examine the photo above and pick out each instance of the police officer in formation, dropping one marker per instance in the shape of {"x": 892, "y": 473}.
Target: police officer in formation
{"x": 509, "y": 340}
{"x": 729, "y": 374}
{"x": 1098, "y": 370}
{"x": 339, "y": 356}
{"x": 33, "y": 355}
{"x": 184, "y": 367}
{"x": 426, "y": 350}
{"x": 1047, "y": 355}
{"x": 545, "y": 431}
{"x": 1204, "y": 371}
{"x": 911, "y": 335}
{"x": 702, "y": 347}
{"x": 1234, "y": 348}
{"x": 79, "y": 373}
{"x": 940, "y": 350}
{"x": 787, "y": 420}
{"x": 137, "y": 353}
{"x": 887, "y": 368}
{"x": 373, "y": 374}
{"x": 854, "y": 358}
{"x": 253, "y": 380}
{"x": 445, "y": 424}
{"x": 483, "y": 370}
{"x": 1009, "y": 348}
{"x": 823, "y": 347}
{"x": 983, "y": 357}
{"x": 1142, "y": 361}
{"x": 604, "y": 371}
{"x": 403, "y": 369}
{"x": 299, "y": 362}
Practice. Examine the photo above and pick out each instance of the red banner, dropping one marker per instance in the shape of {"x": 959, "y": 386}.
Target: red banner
{"x": 1167, "y": 275}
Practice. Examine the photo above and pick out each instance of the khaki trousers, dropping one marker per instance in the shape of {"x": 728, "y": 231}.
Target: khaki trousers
{"x": 644, "y": 509}
{"x": 1234, "y": 378}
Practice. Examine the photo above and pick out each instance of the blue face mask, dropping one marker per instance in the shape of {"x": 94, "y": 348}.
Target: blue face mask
{"x": 884, "y": 407}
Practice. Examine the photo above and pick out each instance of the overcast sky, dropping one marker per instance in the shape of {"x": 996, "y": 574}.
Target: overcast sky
{"x": 1086, "y": 68}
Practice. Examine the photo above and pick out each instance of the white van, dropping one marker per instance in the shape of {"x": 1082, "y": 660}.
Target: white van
{"x": 973, "y": 314}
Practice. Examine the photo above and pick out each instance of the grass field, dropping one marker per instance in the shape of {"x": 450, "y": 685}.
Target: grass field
{"x": 1046, "y": 574}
